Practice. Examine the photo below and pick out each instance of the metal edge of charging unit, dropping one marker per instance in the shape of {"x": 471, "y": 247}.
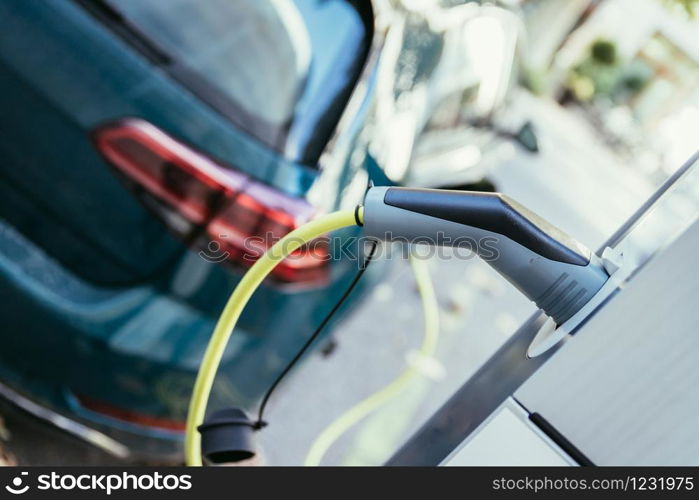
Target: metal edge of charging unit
{"x": 506, "y": 370}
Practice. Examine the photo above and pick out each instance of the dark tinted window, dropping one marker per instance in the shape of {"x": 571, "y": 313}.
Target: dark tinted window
{"x": 280, "y": 69}
{"x": 340, "y": 33}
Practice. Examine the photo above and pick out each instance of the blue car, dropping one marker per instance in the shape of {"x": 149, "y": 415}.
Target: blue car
{"x": 143, "y": 145}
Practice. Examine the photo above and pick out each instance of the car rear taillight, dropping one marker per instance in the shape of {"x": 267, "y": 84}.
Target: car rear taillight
{"x": 223, "y": 213}
{"x": 129, "y": 416}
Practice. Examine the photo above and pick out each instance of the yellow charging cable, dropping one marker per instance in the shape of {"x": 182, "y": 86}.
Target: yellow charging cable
{"x": 355, "y": 414}
{"x": 234, "y": 307}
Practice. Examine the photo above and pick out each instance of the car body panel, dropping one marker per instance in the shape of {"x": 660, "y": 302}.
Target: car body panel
{"x": 99, "y": 300}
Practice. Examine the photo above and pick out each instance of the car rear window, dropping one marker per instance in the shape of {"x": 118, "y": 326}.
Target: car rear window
{"x": 280, "y": 69}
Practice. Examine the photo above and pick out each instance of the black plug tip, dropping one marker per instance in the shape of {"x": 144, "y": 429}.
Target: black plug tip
{"x": 228, "y": 436}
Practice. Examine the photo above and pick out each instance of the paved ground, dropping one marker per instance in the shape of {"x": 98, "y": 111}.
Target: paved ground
{"x": 573, "y": 182}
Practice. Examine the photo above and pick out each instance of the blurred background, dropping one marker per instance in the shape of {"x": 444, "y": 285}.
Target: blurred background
{"x": 143, "y": 141}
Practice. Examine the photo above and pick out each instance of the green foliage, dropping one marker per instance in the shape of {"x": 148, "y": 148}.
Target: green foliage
{"x": 689, "y": 6}
{"x": 604, "y": 52}
{"x": 533, "y": 79}
{"x": 598, "y": 74}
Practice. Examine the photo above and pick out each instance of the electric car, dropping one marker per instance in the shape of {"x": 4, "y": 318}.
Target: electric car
{"x": 143, "y": 144}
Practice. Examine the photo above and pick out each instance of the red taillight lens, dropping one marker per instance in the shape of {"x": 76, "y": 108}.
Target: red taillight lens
{"x": 130, "y": 416}
{"x": 225, "y": 213}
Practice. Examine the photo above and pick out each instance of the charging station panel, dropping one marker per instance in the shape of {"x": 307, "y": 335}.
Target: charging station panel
{"x": 623, "y": 390}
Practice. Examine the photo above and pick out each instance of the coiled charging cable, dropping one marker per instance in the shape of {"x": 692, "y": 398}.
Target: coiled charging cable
{"x": 234, "y": 307}
{"x": 379, "y": 398}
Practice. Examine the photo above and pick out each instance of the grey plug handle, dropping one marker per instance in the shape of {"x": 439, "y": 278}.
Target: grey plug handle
{"x": 552, "y": 269}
